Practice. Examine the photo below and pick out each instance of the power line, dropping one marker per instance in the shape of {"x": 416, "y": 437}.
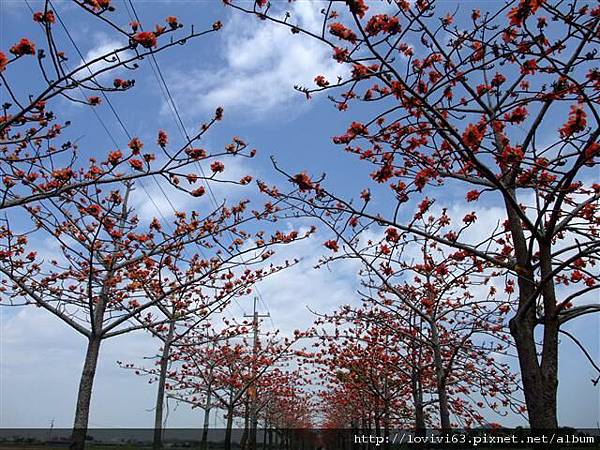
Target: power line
{"x": 126, "y": 131}
{"x": 182, "y": 129}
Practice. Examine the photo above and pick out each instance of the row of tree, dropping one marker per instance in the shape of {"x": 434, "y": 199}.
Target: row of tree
{"x": 499, "y": 105}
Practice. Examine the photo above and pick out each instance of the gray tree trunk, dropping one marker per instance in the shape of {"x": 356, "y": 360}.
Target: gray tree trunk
{"x": 539, "y": 378}
{"x": 84, "y": 395}
{"x": 228, "y": 427}
{"x": 207, "y": 408}
{"x": 157, "y": 443}
{"x": 440, "y": 376}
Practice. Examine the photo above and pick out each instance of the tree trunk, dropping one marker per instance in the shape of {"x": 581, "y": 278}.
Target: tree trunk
{"x": 84, "y": 395}
{"x": 228, "y": 427}
{"x": 417, "y": 394}
{"x": 440, "y": 378}
{"x": 157, "y": 443}
{"x": 253, "y": 416}
{"x": 264, "y": 438}
{"x": 540, "y": 380}
{"x": 387, "y": 422}
{"x": 539, "y": 388}
{"x": 244, "y": 440}
{"x": 207, "y": 408}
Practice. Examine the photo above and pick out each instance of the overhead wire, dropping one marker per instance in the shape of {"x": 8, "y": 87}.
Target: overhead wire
{"x": 123, "y": 126}
{"x": 183, "y": 130}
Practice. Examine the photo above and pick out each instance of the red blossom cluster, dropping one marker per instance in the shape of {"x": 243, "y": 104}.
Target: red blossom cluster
{"x": 146, "y": 39}
{"x": 341, "y": 31}
{"x": 23, "y": 47}
{"x": 382, "y": 22}
{"x": 526, "y": 8}
{"x": 44, "y": 17}
{"x": 576, "y": 123}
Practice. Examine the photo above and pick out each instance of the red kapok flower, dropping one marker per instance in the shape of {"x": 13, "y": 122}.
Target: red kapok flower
{"x": 511, "y": 154}
{"x": 357, "y": 7}
{"x": 303, "y": 181}
{"x": 517, "y": 115}
{"x": 162, "y": 139}
{"x": 473, "y": 196}
{"x": 172, "y": 21}
{"x": 525, "y": 9}
{"x": 321, "y": 81}
{"x": 136, "y": 164}
{"x": 146, "y": 39}
{"x": 473, "y": 136}
{"x": 469, "y": 218}
{"x": 245, "y": 180}
{"x": 63, "y": 174}
{"x": 382, "y": 22}
{"x": 135, "y": 145}
{"x": 114, "y": 157}
{"x": 23, "y": 47}
{"x": 217, "y": 166}
{"x": 529, "y": 67}
{"x": 331, "y": 245}
{"x": 340, "y": 54}
{"x": 591, "y": 151}
{"x": 198, "y": 192}
{"x": 196, "y": 153}
{"x": 94, "y": 210}
{"x": 47, "y": 17}
{"x": 576, "y": 123}
{"x": 340, "y": 31}
{"x": 391, "y": 235}
{"x": 3, "y": 61}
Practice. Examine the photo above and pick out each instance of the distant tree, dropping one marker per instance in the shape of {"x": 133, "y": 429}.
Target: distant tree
{"x": 227, "y": 372}
{"x": 429, "y": 316}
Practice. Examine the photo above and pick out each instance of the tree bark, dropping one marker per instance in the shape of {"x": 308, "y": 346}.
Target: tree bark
{"x": 540, "y": 380}
{"x": 417, "y": 394}
{"x": 440, "y": 378}
{"x": 228, "y": 427}
{"x": 264, "y": 438}
{"x": 157, "y": 443}
{"x": 244, "y": 440}
{"x": 84, "y": 395}
{"x": 207, "y": 408}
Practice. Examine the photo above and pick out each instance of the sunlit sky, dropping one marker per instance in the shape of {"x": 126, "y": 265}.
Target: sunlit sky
{"x": 250, "y": 68}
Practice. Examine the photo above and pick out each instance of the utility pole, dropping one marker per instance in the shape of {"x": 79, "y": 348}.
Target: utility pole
{"x": 252, "y": 390}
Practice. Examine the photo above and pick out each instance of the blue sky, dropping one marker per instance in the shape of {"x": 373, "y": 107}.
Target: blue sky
{"x": 250, "y": 68}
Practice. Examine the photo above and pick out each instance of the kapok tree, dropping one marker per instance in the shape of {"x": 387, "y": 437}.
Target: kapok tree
{"x": 187, "y": 328}
{"x": 226, "y": 372}
{"x": 281, "y": 392}
{"x": 440, "y": 306}
{"x": 111, "y": 270}
{"x": 496, "y": 105}
{"x": 367, "y": 360}
{"x": 187, "y": 321}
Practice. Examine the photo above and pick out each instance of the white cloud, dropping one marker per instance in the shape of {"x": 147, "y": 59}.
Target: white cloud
{"x": 103, "y": 46}
{"x": 262, "y": 62}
